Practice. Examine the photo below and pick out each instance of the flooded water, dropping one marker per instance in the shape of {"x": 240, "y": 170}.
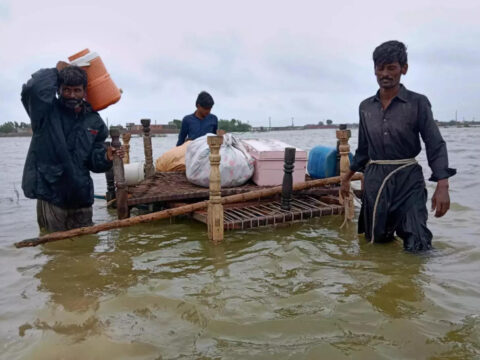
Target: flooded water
{"x": 305, "y": 291}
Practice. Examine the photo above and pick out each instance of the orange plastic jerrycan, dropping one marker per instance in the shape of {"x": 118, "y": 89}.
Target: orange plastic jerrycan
{"x": 101, "y": 90}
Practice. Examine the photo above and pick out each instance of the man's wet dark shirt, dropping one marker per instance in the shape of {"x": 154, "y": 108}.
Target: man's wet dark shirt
{"x": 393, "y": 133}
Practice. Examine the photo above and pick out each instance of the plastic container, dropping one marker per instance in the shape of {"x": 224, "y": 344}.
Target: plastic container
{"x": 101, "y": 90}
{"x": 269, "y": 155}
{"x": 322, "y": 162}
{"x": 134, "y": 173}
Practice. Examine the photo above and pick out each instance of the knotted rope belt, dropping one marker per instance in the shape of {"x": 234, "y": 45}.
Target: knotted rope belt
{"x": 405, "y": 163}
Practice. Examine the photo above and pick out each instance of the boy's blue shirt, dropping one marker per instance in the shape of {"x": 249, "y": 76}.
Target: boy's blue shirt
{"x": 193, "y": 127}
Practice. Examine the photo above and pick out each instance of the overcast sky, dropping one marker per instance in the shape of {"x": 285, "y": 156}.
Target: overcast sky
{"x": 306, "y": 60}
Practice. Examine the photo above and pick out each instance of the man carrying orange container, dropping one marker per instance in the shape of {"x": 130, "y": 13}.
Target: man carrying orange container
{"x": 67, "y": 143}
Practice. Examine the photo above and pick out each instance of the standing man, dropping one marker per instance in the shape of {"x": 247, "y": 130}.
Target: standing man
{"x": 201, "y": 122}
{"x": 391, "y": 123}
{"x": 67, "y": 143}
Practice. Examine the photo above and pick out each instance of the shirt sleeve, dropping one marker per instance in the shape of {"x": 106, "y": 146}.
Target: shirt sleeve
{"x": 361, "y": 157}
{"x": 215, "y": 125}
{"x": 38, "y": 95}
{"x": 183, "y": 132}
{"x": 435, "y": 145}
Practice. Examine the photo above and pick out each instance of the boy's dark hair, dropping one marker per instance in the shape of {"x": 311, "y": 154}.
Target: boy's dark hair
{"x": 390, "y": 52}
{"x": 73, "y": 76}
{"x": 205, "y": 100}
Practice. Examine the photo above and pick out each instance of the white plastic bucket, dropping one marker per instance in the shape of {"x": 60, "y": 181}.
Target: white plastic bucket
{"x": 134, "y": 173}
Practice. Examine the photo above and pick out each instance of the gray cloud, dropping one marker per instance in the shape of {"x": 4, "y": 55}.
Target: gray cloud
{"x": 310, "y": 60}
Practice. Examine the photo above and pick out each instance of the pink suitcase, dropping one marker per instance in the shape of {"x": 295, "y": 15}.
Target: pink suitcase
{"x": 269, "y": 159}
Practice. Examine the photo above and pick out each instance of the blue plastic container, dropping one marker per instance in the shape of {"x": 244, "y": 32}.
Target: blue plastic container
{"x": 322, "y": 162}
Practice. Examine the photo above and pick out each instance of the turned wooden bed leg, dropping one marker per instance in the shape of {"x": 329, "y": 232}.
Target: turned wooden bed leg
{"x": 215, "y": 207}
{"x": 109, "y": 177}
{"x": 126, "y": 145}
{"x": 119, "y": 175}
{"x": 147, "y": 145}
{"x": 343, "y": 134}
{"x": 287, "y": 184}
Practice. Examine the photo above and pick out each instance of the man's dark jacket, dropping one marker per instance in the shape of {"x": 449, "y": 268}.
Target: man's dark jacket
{"x": 65, "y": 146}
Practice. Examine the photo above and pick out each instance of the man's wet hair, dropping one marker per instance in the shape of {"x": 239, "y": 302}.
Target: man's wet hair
{"x": 205, "y": 100}
{"x": 390, "y": 52}
{"x": 72, "y": 76}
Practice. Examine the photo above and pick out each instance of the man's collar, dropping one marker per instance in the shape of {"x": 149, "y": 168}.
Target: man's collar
{"x": 402, "y": 94}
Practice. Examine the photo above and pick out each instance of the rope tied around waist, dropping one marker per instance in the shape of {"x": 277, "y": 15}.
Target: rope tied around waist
{"x": 404, "y": 163}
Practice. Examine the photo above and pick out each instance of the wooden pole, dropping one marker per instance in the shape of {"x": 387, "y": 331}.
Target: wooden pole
{"x": 126, "y": 145}
{"x": 252, "y": 195}
{"x": 147, "y": 145}
{"x": 119, "y": 175}
{"x": 215, "y": 207}
{"x": 343, "y": 134}
{"x": 287, "y": 184}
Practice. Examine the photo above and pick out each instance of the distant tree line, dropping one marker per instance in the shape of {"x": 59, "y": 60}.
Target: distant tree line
{"x": 232, "y": 125}
{"x": 177, "y": 123}
{"x": 13, "y": 126}
{"x": 329, "y": 122}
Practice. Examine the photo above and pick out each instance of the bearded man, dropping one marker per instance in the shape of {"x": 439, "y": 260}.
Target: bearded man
{"x": 67, "y": 143}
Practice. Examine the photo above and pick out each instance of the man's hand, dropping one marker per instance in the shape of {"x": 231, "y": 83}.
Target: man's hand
{"x": 61, "y": 65}
{"x": 111, "y": 151}
{"x": 441, "y": 199}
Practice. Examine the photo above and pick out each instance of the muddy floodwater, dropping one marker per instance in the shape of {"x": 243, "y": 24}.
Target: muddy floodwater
{"x": 305, "y": 291}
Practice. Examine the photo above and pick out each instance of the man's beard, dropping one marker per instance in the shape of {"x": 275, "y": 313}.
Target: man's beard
{"x": 71, "y": 104}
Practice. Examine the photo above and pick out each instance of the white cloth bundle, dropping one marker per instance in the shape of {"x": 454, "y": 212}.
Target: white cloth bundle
{"x": 236, "y": 164}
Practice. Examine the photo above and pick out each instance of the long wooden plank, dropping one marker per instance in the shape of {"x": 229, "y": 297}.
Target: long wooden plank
{"x": 61, "y": 235}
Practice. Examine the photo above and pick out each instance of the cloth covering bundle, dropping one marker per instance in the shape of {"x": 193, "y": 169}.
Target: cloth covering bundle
{"x": 173, "y": 159}
{"x": 236, "y": 164}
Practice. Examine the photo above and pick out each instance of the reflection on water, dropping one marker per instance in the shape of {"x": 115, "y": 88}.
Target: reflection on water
{"x": 303, "y": 291}
{"x": 76, "y": 279}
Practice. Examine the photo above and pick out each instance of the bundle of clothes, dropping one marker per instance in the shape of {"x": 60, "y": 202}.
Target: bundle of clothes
{"x": 236, "y": 165}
